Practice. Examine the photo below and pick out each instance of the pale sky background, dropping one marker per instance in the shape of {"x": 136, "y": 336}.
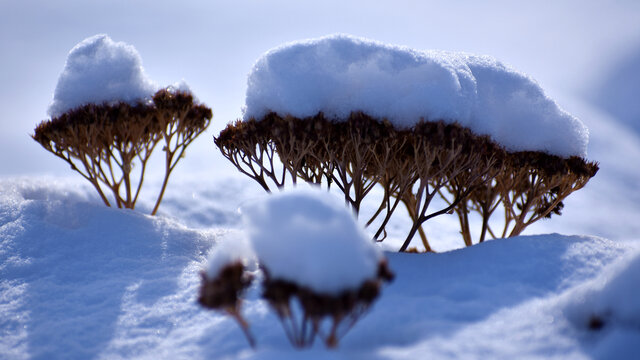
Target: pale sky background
{"x": 567, "y": 46}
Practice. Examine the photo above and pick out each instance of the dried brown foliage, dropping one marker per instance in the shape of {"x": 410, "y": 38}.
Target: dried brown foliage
{"x": 343, "y": 310}
{"x": 353, "y": 155}
{"x": 529, "y": 186}
{"x": 106, "y": 143}
{"x": 470, "y": 172}
{"x": 443, "y": 154}
{"x": 223, "y": 293}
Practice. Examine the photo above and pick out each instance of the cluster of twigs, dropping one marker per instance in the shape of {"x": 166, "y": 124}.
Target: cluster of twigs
{"x": 106, "y": 143}
{"x": 343, "y": 310}
{"x": 529, "y": 186}
{"x": 301, "y": 310}
{"x": 470, "y": 172}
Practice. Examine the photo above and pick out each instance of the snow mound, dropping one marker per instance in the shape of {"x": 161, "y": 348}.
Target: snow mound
{"x": 99, "y": 70}
{"x": 68, "y": 264}
{"x": 612, "y": 298}
{"x": 311, "y": 239}
{"x": 339, "y": 74}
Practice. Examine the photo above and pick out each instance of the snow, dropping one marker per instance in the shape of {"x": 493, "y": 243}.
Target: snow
{"x": 232, "y": 249}
{"x": 99, "y": 70}
{"x": 309, "y": 237}
{"x": 508, "y": 299}
{"x": 339, "y": 74}
{"x": 79, "y": 280}
{"x": 612, "y": 297}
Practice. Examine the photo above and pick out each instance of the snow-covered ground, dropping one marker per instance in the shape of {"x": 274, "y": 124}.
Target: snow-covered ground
{"x": 79, "y": 280}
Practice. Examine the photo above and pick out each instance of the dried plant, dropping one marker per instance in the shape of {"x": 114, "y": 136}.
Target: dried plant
{"x": 106, "y": 143}
{"x": 343, "y": 310}
{"x": 223, "y": 293}
{"x": 471, "y": 173}
{"x": 353, "y": 155}
{"x": 441, "y": 154}
{"x": 529, "y": 186}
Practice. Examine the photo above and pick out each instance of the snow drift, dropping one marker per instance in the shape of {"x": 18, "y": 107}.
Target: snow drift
{"x": 79, "y": 280}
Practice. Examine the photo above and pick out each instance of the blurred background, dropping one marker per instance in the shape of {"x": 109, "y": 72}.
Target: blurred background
{"x": 585, "y": 54}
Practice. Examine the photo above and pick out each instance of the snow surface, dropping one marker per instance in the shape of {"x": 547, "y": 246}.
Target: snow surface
{"x": 99, "y": 70}
{"x": 613, "y": 296}
{"x": 310, "y": 238}
{"x": 79, "y": 280}
{"x": 339, "y": 74}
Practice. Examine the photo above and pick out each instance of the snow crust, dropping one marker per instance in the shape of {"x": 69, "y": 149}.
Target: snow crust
{"x": 339, "y": 74}
{"x": 310, "y": 238}
{"x": 99, "y": 70}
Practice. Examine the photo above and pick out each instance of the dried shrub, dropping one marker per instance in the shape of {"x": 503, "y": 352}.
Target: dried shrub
{"x": 529, "y": 186}
{"x": 342, "y": 310}
{"x": 471, "y": 173}
{"x": 106, "y": 143}
{"x": 223, "y": 293}
{"x": 441, "y": 154}
{"x": 354, "y": 155}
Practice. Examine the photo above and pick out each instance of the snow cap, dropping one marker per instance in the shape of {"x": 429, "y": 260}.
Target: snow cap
{"x": 99, "y": 70}
{"x": 339, "y": 74}
{"x": 309, "y": 238}
{"x": 233, "y": 248}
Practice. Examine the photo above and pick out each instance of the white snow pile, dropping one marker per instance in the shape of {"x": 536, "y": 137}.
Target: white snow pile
{"x": 311, "y": 239}
{"x": 99, "y": 70}
{"x": 339, "y": 74}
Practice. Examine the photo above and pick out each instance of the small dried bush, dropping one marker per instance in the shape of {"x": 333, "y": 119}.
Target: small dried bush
{"x": 301, "y": 310}
{"x": 342, "y": 310}
{"x": 111, "y": 144}
{"x": 223, "y": 293}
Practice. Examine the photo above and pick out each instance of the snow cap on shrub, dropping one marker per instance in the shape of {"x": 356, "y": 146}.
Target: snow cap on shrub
{"x": 233, "y": 248}
{"x": 339, "y": 74}
{"x": 310, "y": 239}
{"x": 99, "y": 70}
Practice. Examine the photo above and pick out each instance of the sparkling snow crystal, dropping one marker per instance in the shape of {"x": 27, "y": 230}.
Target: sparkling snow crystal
{"x": 99, "y": 70}
{"x": 339, "y": 74}
{"x": 311, "y": 239}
